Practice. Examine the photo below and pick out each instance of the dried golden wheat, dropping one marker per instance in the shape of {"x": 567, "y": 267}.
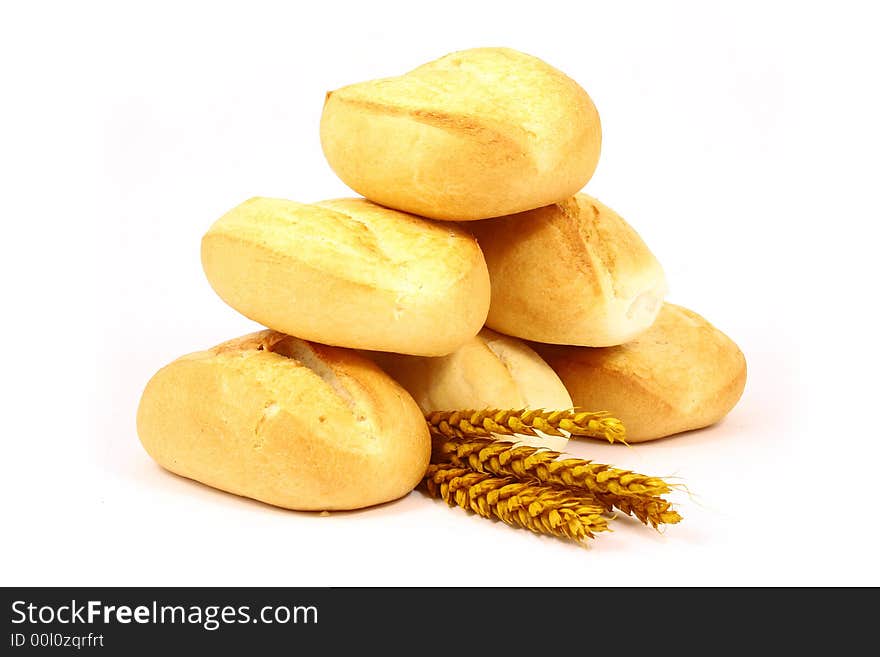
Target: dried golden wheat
{"x": 541, "y": 509}
{"x": 630, "y": 492}
{"x": 525, "y": 422}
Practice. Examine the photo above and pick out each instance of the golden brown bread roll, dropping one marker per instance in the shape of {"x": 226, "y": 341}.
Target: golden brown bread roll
{"x": 291, "y": 423}
{"x": 349, "y": 273}
{"x": 571, "y": 273}
{"x": 489, "y": 371}
{"x": 680, "y": 374}
{"x": 475, "y": 134}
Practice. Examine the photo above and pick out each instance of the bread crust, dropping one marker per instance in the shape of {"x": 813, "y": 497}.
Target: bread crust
{"x": 349, "y": 273}
{"x": 571, "y": 273}
{"x": 475, "y": 134}
{"x": 287, "y": 422}
{"x": 489, "y": 371}
{"x": 681, "y": 374}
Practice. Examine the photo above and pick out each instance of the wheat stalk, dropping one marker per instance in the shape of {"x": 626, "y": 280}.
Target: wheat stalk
{"x": 630, "y": 492}
{"x": 463, "y": 424}
{"x": 541, "y": 509}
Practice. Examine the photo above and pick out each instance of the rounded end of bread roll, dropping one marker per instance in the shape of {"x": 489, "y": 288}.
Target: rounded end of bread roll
{"x": 681, "y": 374}
{"x": 478, "y": 133}
{"x": 538, "y": 385}
{"x": 598, "y": 285}
{"x": 489, "y": 371}
{"x": 349, "y": 273}
{"x": 287, "y": 422}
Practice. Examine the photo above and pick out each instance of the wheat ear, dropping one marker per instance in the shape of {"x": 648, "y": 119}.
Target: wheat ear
{"x": 630, "y": 492}
{"x": 462, "y": 424}
{"x": 541, "y": 509}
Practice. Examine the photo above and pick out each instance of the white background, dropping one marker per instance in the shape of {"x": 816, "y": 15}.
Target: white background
{"x": 742, "y": 143}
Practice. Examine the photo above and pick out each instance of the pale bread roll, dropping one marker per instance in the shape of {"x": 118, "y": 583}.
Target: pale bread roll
{"x": 349, "y": 273}
{"x": 298, "y": 425}
{"x": 571, "y": 273}
{"x": 680, "y": 374}
{"x": 475, "y": 134}
{"x": 489, "y": 371}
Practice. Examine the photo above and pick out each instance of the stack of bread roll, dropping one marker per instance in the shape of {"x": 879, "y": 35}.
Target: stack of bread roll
{"x": 473, "y": 275}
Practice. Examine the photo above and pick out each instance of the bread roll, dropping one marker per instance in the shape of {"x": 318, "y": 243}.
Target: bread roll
{"x": 680, "y": 374}
{"x": 349, "y": 273}
{"x": 294, "y": 424}
{"x": 475, "y": 134}
{"x": 489, "y": 371}
{"x": 570, "y": 273}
